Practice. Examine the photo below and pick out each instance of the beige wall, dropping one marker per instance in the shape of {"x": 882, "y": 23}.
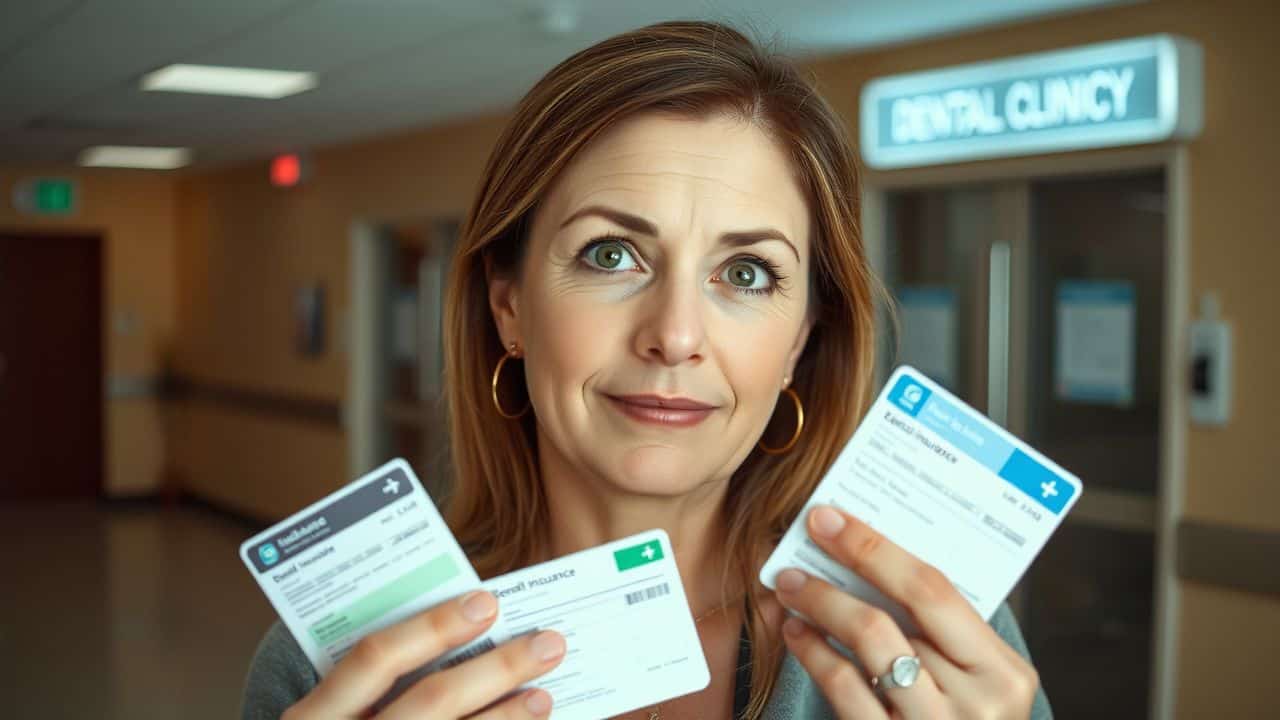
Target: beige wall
{"x": 246, "y": 247}
{"x": 134, "y": 213}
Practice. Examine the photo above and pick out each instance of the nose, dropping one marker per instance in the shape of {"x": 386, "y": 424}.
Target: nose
{"x": 671, "y": 329}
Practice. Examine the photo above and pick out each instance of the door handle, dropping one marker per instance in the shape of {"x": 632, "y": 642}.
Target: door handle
{"x": 998, "y": 287}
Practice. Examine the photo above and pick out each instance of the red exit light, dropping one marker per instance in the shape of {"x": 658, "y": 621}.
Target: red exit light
{"x": 286, "y": 170}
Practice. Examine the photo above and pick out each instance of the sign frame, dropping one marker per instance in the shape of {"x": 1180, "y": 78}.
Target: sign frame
{"x": 1179, "y": 103}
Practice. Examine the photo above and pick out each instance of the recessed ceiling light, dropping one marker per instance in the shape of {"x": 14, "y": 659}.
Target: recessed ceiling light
{"x": 244, "y": 82}
{"x": 150, "y": 158}
{"x": 558, "y": 18}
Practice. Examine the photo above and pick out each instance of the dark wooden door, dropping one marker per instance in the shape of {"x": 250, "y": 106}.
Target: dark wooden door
{"x": 51, "y": 398}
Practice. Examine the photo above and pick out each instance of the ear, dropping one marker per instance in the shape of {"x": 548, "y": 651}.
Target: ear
{"x": 797, "y": 350}
{"x": 503, "y": 304}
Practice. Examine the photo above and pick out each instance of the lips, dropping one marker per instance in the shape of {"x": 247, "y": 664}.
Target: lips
{"x": 655, "y": 401}
{"x": 664, "y": 411}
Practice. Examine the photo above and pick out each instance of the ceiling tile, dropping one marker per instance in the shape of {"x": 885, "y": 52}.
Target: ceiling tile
{"x": 334, "y": 34}
{"x": 106, "y": 42}
{"x": 132, "y": 107}
{"x": 25, "y": 22}
{"x": 385, "y": 65}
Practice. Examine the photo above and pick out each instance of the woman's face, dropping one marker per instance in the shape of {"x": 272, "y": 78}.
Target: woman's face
{"x": 662, "y": 302}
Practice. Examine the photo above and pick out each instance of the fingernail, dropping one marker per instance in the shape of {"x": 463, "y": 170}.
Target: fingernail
{"x": 547, "y": 646}
{"x": 538, "y": 703}
{"x": 793, "y": 627}
{"x": 827, "y": 522}
{"x": 479, "y": 606}
{"x": 790, "y": 580}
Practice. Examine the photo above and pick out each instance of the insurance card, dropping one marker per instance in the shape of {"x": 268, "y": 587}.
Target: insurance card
{"x": 630, "y": 638}
{"x": 370, "y": 555}
{"x": 377, "y": 552}
{"x": 941, "y": 480}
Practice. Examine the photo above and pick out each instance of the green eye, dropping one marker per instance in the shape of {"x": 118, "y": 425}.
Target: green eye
{"x": 610, "y": 256}
{"x": 742, "y": 274}
{"x": 749, "y": 276}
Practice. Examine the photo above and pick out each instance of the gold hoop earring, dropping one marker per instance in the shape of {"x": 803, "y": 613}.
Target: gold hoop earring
{"x": 497, "y": 373}
{"x": 795, "y": 436}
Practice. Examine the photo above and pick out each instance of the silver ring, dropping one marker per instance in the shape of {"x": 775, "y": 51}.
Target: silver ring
{"x": 902, "y": 674}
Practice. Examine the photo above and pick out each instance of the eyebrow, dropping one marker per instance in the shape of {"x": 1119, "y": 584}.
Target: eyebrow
{"x": 637, "y": 224}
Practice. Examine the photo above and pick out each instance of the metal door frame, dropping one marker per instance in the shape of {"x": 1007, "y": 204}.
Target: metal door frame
{"x": 362, "y": 416}
{"x": 1174, "y": 161}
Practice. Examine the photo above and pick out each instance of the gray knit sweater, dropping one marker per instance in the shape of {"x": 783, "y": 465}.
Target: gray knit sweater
{"x": 281, "y": 675}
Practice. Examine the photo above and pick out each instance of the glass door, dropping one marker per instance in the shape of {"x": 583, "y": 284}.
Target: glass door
{"x": 1041, "y": 303}
{"x": 1093, "y": 399}
{"x": 947, "y": 263}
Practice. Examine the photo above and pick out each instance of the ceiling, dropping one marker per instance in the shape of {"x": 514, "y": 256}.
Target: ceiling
{"x": 69, "y": 69}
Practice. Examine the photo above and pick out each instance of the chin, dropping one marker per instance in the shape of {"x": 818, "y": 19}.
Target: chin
{"x": 655, "y": 470}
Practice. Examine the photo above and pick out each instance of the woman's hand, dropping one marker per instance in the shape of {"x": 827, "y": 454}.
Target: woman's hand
{"x": 371, "y": 667}
{"x": 966, "y": 669}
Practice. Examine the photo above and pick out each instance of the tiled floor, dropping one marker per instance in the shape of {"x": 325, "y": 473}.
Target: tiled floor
{"x": 135, "y": 612}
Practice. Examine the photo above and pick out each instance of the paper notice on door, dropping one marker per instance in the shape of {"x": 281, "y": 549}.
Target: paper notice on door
{"x": 1094, "y": 354}
{"x": 927, "y": 317}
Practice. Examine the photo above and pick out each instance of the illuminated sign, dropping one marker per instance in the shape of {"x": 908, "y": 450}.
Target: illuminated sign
{"x": 1118, "y": 93}
{"x": 286, "y": 170}
{"x": 45, "y": 196}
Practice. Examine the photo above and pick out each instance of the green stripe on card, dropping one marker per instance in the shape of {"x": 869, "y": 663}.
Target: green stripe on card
{"x": 422, "y": 579}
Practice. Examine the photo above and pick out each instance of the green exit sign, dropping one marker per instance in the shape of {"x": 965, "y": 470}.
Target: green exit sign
{"x": 55, "y": 196}
{"x": 46, "y": 196}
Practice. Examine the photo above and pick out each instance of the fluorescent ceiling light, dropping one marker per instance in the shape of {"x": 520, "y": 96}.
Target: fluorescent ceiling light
{"x": 244, "y": 82}
{"x": 150, "y": 158}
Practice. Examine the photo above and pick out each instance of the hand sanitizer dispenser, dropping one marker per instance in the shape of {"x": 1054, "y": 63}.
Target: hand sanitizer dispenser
{"x": 1210, "y": 365}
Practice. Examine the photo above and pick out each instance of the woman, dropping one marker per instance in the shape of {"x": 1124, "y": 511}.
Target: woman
{"x": 665, "y": 243}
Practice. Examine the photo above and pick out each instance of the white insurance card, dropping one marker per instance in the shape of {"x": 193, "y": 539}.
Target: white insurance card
{"x": 941, "y": 480}
{"x": 370, "y": 555}
{"x": 631, "y": 641}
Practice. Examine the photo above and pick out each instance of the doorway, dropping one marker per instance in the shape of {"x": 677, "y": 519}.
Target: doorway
{"x": 1043, "y": 303}
{"x": 51, "y": 426}
{"x": 399, "y": 273}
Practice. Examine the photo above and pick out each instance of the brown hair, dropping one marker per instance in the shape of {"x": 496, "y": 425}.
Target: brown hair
{"x": 696, "y": 69}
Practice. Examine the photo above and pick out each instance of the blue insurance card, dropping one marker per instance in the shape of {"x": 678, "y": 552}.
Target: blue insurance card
{"x": 944, "y": 482}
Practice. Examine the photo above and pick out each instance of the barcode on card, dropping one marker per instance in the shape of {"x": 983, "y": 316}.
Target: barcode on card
{"x": 479, "y": 648}
{"x": 656, "y": 591}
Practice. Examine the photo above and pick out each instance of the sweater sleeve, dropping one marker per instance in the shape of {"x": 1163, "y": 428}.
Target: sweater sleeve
{"x": 279, "y": 676}
{"x": 1007, "y": 626}
{"x": 797, "y": 696}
